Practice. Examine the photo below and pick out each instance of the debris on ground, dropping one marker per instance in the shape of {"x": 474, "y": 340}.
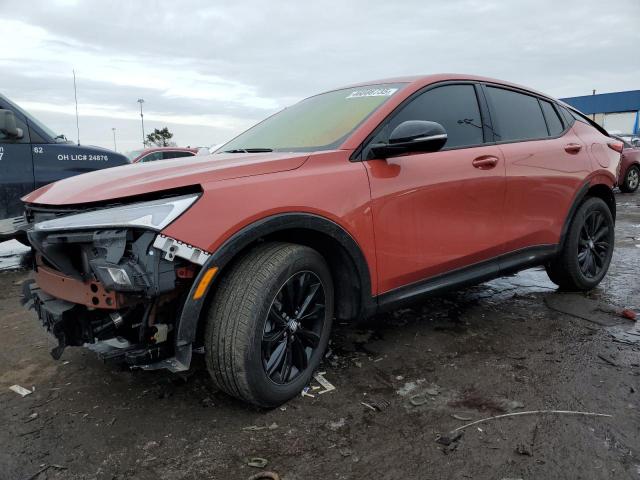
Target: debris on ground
{"x": 377, "y": 405}
{"x": 31, "y": 417}
{"x": 462, "y": 418}
{"x": 257, "y": 462}
{"x": 341, "y": 422}
{"x": 531, "y": 412}
{"x": 305, "y": 392}
{"x": 264, "y": 476}
{"x": 255, "y": 428}
{"x": 326, "y": 384}
{"x": 449, "y": 438}
{"x": 523, "y": 449}
{"x": 23, "y": 392}
{"x": 628, "y": 314}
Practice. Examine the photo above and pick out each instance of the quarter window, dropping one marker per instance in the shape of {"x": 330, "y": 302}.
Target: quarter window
{"x": 553, "y": 120}
{"x": 515, "y": 116}
{"x": 455, "y": 107}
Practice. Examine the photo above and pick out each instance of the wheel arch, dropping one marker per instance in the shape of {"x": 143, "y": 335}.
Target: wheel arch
{"x": 348, "y": 265}
{"x": 589, "y": 189}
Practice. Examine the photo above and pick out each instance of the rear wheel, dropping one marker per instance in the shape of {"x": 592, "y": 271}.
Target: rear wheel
{"x": 631, "y": 180}
{"x": 269, "y": 323}
{"x": 586, "y": 254}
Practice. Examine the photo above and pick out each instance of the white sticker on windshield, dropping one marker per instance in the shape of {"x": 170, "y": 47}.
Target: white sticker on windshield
{"x": 372, "y": 92}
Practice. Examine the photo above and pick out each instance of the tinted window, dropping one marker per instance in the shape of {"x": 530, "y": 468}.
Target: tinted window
{"x": 455, "y": 107}
{"x": 152, "y": 157}
{"x": 515, "y": 116}
{"x": 553, "y": 120}
{"x": 568, "y": 118}
{"x": 4, "y": 138}
{"x": 176, "y": 154}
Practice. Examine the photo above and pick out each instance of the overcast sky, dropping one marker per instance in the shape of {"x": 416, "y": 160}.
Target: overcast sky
{"x": 208, "y": 70}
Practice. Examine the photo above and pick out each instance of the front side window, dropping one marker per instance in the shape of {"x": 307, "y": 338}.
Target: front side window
{"x": 515, "y": 116}
{"x": 4, "y": 138}
{"x": 455, "y": 107}
{"x": 317, "y": 123}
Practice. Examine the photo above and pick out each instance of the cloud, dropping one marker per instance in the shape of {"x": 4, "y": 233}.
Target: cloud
{"x": 222, "y": 66}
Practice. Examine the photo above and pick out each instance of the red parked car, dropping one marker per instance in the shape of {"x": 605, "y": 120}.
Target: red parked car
{"x": 160, "y": 153}
{"x": 629, "y": 177}
{"x": 350, "y": 202}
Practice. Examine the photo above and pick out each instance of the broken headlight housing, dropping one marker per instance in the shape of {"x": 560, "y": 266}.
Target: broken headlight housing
{"x": 154, "y": 215}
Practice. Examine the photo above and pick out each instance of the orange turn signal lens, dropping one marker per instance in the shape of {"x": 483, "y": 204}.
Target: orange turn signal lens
{"x": 204, "y": 283}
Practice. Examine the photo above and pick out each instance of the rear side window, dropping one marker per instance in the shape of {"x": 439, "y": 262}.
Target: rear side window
{"x": 515, "y": 116}
{"x": 455, "y": 107}
{"x": 152, "y": 157}
{"x": 554, "y": 124}
{"x": 168, "y": 155}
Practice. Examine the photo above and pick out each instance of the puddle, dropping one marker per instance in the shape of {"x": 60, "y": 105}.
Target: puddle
{"x": 12, "y": 255}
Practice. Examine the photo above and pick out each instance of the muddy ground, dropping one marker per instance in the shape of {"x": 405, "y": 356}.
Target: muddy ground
{"x": 508, "y": 346}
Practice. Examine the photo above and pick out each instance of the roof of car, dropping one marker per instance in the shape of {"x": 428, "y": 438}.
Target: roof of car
{"x": 161, "y": 149}
{"x": 423, "y": 80}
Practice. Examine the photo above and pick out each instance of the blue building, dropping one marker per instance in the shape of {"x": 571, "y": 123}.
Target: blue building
{"x": 617, "y": 112}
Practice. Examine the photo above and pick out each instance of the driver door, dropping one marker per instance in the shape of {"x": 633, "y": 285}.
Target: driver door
{"x": 16, "y": 169}
{"x": 439, "y": 211}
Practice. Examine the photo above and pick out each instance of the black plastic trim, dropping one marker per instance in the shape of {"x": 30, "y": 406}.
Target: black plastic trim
{"x": 471, "y": 275}
{"x": 187, "y": 326}
{"x": 577, "y": 200}
{"x": 537, "y": 96}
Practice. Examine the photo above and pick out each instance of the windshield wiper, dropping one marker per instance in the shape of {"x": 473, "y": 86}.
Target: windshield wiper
{"x": 249, "y": 150}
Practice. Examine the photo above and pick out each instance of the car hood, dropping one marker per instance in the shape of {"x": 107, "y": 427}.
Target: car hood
{"x": 143, "y": 178}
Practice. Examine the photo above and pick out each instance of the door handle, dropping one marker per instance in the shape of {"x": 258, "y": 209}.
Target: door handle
{"x": 485, "y": 163}
{"x": 573, "y": 148}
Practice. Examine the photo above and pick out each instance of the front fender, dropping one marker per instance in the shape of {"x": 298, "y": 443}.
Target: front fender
{"x": 187, "y": 325}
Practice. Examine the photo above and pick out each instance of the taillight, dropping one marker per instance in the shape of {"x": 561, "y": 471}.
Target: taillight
{"x": 617, "y": 146}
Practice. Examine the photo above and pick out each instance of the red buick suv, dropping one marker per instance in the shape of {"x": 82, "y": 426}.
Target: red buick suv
{"x": 347, "y": 203}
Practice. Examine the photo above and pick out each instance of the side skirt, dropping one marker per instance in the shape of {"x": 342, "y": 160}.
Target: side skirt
{"x": 480, "y": 272}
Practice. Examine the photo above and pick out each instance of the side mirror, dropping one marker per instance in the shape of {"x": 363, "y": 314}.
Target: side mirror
{"x": 412, "y": 136}
{"x": 8, "y": 124}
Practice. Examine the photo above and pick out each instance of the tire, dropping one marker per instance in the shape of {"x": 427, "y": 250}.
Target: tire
{"x": 588, "y": 248}
{"x": 250, "y": 311}
{"x": 631, "y": 180}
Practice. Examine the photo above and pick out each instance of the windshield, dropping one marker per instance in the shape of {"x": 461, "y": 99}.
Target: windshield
{"x": 321, "y": 122}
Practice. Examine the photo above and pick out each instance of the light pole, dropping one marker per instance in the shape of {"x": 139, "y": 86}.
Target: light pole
{"x": 144, "y": 142}
{"x": 115, "y": 147}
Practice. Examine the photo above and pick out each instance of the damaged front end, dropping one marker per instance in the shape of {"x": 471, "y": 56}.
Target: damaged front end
{"x": 107, "y": 279}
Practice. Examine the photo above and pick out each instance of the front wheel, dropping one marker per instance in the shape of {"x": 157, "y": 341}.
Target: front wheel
{"x": 631, "y": 180}
{"x": 269, "y": 322}
{"x": 588, "y": 248}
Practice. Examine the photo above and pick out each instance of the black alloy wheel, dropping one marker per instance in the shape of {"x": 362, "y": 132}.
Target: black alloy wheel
{"x": 293, "y": 327}
{"x": 268, "y": 323}
{"x": 594, "y": 244}
{"x": 587, "y": 248}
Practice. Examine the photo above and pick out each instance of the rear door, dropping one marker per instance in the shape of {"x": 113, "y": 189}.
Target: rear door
{"x": 436, "y": 212}
{"x": 546, "y": 164}
{"x": 16, "y": 168}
